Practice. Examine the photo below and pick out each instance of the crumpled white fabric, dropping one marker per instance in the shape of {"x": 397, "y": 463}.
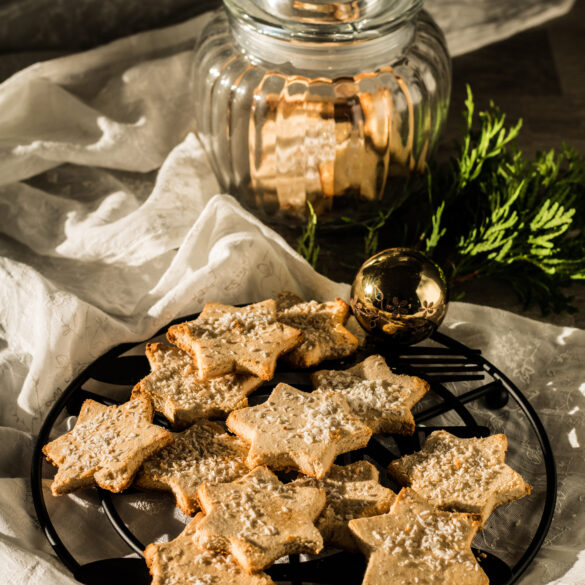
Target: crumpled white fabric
{"x": 111, "y": 225}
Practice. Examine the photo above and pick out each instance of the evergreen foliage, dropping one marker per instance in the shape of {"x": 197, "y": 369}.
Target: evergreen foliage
{"x": 504, "y": 216}
{"x": 492, "y": 212}
{"x": 307, "y": 243}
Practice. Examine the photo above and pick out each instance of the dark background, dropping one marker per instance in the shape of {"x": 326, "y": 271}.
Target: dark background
{"x": 537, "y": 75}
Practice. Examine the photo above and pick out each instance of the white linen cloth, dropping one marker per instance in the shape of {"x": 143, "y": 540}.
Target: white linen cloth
{"x": 96, "y": 249}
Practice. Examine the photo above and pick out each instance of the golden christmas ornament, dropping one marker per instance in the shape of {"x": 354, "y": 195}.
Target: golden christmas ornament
{"x": 401, "y": 294}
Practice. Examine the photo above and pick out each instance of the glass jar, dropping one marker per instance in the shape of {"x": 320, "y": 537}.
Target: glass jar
{"x": 319, "y": 101}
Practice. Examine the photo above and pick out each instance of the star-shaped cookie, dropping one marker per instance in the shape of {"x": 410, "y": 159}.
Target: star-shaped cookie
{"x": 375, "y": 394}
{"x": 106, "y": 447}
{"x": 463, "y": 475}
{"x": 353, "y": 491}
{"x": 177, "y": 392}
{"x": 415, "y": 543}
{"x": 298, "y": 430}
{"x": 161, "y": 355}
{"x": 203, "y": 453}
{"x": 180, "y": 561}
{"x": 324, "y": 336}
{"x": 258, "y": 519}
{"x": 225, "y": 339}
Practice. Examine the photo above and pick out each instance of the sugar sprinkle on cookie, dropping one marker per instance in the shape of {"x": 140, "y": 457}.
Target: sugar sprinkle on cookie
{"x": 203, "y": 453}
{"x": 322, "y": 324}
{"x": 416, "y": 543}
{"x": 353, "y": 491}
{"x": 299, "y": 430}
{"x": 180, "y": 562}
{"x": 106, "y": 446}
{"x": 162, "y": 355}
{"x": 258, "y": 519}
{"x": 382, "y": 399}
{"x": 463, "y": 475}
{"x": 226, "y": 339}
{"x": 177, "y": 392}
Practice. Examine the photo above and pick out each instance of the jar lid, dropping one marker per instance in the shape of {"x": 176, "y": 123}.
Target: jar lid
{"x": 322, "y": 21}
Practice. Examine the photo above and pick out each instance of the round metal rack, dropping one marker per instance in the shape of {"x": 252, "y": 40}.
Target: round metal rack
{"x": 458, "y": 377}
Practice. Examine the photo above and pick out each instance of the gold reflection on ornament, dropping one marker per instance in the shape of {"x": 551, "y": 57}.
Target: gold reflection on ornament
{"x": 400, "y": 294}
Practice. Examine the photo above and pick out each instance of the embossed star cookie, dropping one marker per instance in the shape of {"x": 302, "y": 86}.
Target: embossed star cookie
{"x": 382, "y": 399}
{"x": 415, "y": 543}
{"x": 463, "y": 475}
{"x": 203, "y": 453}
{"x": 106, "y": 447}
{"x": 177, "y": 392}
{"x": 324, "y": 336}
{"x": 180, "y": 561}
{"x": 258, "y": 519}
{"x": 353, "y": 491}
{"x": 225, "y": 339}
{"x": 298, "y": 430}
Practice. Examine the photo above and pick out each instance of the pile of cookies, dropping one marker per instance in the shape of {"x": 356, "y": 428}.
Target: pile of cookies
{"x": 245, "y": 518}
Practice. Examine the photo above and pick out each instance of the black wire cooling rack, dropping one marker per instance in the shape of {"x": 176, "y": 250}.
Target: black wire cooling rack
{"x": 463, "y": 384}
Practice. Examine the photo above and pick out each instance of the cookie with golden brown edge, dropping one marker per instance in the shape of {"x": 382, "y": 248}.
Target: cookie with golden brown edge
{"x": 298, "y": 430}
{"x": 416, "y": 543}
{"x": 177, "y": 392}
{"x": 382, "y": 399}
{"x": 180, "y": 561}
{"x": 161, "y": 355}
{"x": 203, "y": 453}
{"x": 106, "y": 447}
{"x": 322, "y": 324}
{"x": 226, "y": 339}
{"x": 258, "y": 519}
{"x": 462, "y": 475}
{"x": 353, "y": 491}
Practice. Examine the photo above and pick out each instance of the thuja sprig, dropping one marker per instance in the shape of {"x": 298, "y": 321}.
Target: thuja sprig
{"x": 505, "y": 216}
{"x": 437, "y": 230}
{"x": 307, "y": 245}
{"x": 489, "y": 142}
{"x": 528, "y": 222}
{"x": 478, "y": 147}
{"x": 372, "y": 230}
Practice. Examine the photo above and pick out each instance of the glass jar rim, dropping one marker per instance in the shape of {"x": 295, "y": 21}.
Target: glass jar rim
{"x": 316, "y": 21}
